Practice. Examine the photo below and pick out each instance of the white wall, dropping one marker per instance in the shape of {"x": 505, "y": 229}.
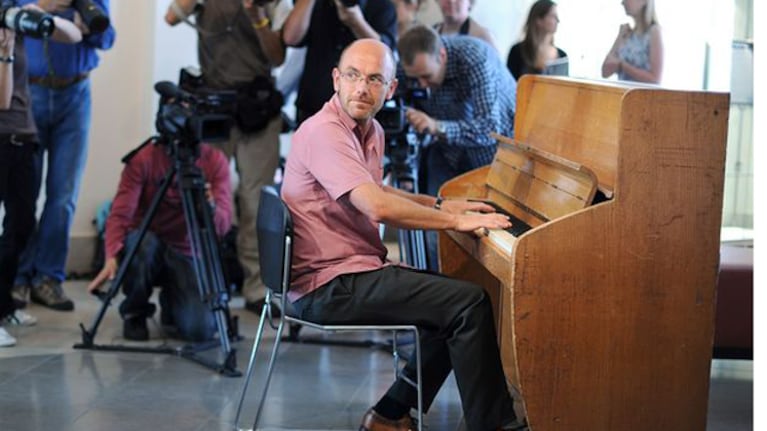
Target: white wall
{"x": 146, "y": 50}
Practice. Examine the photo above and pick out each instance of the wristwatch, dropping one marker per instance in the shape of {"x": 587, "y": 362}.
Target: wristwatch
{"x": 441, "y": 129}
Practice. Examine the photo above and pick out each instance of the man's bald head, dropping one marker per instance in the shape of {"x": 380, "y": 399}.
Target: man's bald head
{"x": 364, "y": 79}
{"x": 370, "y": 48}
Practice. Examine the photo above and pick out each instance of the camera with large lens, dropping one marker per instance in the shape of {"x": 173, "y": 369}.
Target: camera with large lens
{"x": 93, "y": 16}
{"x": 403, "y": 143}
{"x": 27, "y": 22}
{"x": 190, "y": 113}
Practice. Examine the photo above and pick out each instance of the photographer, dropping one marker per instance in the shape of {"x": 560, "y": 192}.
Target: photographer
{"x": 472, "y": 95}
{"x": 164, "y": 256}
{"x": 61, "y": 103}
{"x": 325, "y": 28}
{"x": 18, "y": 146}
{"x": 238, "y": 45}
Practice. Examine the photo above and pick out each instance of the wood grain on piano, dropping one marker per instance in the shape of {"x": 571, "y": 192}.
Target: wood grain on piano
{"x": 604, "y": 310}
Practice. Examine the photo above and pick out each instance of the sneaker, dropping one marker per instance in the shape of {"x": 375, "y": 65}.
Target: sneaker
{"x": 135, "y": 329}
{"x": 19, "y": 293}
{"x": 6, "y": 340}
{"x": 50, "y": 294}
{"x": 20, "y": 318}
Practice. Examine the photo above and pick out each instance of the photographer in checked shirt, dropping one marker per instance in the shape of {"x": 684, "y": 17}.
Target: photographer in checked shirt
{"x": 472, "y": 95}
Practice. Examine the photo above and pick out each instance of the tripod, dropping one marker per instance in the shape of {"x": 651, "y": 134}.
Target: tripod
{"x": 206, "y": 260}
{"x": 404, "y": 152}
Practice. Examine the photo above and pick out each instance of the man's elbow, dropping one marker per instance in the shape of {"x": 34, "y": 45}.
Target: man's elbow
{"x": 171, "y": 18}
{"x": 291, "y": 36}
{"x": 379, "y": 213}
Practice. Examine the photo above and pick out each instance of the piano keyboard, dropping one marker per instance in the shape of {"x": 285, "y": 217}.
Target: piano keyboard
{"x": 505, "y": 238}
{"x": 518, "y": 227}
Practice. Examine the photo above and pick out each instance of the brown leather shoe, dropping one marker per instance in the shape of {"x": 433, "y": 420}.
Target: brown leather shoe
{"x": 372, "y": 421}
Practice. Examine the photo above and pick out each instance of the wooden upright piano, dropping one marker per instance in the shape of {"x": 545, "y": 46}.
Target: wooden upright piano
{"x": 605, "y": 306}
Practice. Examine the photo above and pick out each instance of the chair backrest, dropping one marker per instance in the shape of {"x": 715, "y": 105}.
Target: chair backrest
{"x": 275, "y": 239}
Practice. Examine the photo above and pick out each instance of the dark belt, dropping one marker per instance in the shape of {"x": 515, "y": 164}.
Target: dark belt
{"x": 57, "y": 82}
{"x": 18, "y": 139}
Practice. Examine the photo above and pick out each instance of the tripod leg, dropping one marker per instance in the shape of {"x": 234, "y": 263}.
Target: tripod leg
{"x": 106, "y": 297}
{"x": 206, "y": 254}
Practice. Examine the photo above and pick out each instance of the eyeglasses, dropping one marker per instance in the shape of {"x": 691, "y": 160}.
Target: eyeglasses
{"x": 375, "y": 82}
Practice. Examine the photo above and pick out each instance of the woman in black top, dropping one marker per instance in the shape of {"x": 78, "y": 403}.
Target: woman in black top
{"x": 537, "y": 51}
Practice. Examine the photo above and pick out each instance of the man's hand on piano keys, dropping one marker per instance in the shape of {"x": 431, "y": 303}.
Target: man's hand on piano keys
{"x": 455, "y": 206}
{"x": 481, "y": 223}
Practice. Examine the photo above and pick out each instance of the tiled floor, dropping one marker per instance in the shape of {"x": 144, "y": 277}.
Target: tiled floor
{"x": 45, "y": 384}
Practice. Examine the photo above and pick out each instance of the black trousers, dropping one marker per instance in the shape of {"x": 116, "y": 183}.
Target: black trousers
{"x": 17, "y": 195}
{"x": 457, "y": 333}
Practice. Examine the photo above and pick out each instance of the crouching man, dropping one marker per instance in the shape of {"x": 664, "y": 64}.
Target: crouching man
{"x": 165, "y": 256}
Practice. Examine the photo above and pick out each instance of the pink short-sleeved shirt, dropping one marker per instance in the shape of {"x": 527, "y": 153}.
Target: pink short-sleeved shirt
{"x": 328, "y": 158}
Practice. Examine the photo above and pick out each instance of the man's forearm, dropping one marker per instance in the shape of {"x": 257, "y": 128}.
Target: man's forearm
{"x": 297, "y": 23}
{"x": 362, "y": 29}
{"x": 270, "y": 40}
{"x": 6, "y": 68}
{"x": 424, "y": 200}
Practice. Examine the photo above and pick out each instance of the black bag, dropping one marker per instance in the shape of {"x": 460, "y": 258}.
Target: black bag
{"x": 257, "y": 103}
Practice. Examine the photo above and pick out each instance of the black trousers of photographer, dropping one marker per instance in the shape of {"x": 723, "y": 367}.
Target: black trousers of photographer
{"x": 182, "y": 308}
{"x": 18, "y": 189}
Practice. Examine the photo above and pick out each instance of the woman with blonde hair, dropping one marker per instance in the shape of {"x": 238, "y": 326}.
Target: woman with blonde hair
{"x": 637, "y": 54}
{"x": 456, "y": 20}
{"x": 536, "y": 51}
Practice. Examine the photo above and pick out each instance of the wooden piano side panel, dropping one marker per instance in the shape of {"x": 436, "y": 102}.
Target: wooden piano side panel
{"x": 613, "y": 306}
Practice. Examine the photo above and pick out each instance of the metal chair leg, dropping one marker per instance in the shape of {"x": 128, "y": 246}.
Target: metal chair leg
{"x": 251, "y": 363}
{"x": 272, "y": 359}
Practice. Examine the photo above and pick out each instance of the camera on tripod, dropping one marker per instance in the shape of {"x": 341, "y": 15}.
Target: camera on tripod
{"x": 402, "y": 141}
{"x": 27, "y": 22}
{"x": 191, "y": 113}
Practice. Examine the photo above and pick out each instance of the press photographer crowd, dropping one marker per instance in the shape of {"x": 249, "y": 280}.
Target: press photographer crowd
{"x": 230, "y": 104}
{"x": 421, "y": 109}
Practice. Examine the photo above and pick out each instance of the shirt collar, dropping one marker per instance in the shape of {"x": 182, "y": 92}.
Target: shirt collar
{"x": 349, "y": 122}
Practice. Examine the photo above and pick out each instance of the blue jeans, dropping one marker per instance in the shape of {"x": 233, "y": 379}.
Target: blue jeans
{"x": 63, "y": 118}
{"x": 156, "y": 264}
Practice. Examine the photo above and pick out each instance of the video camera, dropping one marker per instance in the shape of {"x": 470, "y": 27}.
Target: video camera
{"x": 191, "y": 113}
{"x": 392, "y": 114}
{"x": 27, "y": 22}
{"x": 402, "y": 142}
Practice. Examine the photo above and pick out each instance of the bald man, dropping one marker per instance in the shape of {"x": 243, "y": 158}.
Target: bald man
{"x": 333, "y": 188}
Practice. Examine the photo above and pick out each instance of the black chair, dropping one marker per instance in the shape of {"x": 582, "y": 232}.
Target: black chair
{"x": 275, "y": 241}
